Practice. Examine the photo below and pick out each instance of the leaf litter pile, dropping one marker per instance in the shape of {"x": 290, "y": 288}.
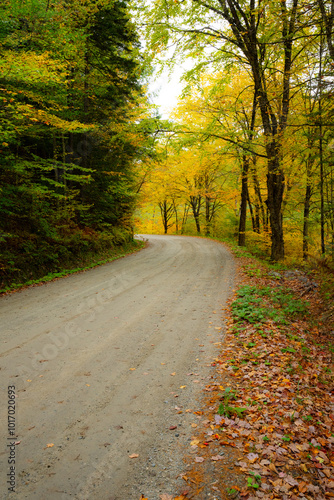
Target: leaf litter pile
{"x": 267, "y": 429}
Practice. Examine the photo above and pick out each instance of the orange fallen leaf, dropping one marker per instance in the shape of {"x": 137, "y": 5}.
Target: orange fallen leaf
{"x": 134, "y": 455}
{"x": 273, "y": 468}
{"x": 50, "y": 445}
{"x": 302, "y": 487}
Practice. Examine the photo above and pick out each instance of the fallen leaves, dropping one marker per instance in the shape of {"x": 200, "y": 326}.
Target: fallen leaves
{"x": 134, "y": 455}
{"x": 282, "y": 376}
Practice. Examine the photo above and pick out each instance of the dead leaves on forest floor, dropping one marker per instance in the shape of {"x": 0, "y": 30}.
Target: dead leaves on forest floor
{"x": 272, "y": 405}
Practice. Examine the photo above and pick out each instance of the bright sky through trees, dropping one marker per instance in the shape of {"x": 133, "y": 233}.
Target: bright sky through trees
{"x": 165, "y": 91}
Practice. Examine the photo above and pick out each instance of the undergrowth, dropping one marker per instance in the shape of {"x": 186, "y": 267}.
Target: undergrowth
{"x": 84, "y": 262}
{"x": 257, "y": 304}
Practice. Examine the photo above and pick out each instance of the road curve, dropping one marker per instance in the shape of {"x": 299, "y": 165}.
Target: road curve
{"x": 97, "y": 360}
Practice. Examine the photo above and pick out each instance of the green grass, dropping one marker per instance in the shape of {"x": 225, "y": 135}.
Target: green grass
{"x": 259, "y": 304}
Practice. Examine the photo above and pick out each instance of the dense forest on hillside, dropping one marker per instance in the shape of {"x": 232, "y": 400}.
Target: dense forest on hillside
{"x": 71, "y": 113}
{"x": 249, "y": 152}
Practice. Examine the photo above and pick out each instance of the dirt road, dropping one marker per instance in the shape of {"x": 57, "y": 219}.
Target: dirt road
{"x": 103, "y": 363}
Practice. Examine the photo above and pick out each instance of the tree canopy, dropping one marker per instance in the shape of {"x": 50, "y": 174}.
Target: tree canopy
{"x": 71, "y": 99}
{"x": 277, "y": 57}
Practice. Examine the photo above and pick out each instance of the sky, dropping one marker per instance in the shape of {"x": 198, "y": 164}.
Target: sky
{"x": 166, "y": 89}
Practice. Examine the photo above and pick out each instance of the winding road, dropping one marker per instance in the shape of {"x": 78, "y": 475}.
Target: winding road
{"x": 105, "y": 364}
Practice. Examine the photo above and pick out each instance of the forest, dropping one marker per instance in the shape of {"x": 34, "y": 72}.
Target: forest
{"x": 249, "y": 154}
{"x": 73, "y": 110}
{"x": 86, "y": 159}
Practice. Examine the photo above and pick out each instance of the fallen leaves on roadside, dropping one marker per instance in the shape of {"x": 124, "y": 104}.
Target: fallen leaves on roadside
{"x": 134, "y": 455}
{"x": 281, "y": 415}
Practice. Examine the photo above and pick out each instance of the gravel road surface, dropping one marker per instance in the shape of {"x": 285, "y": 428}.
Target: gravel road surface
{"x": 104, "y": 365}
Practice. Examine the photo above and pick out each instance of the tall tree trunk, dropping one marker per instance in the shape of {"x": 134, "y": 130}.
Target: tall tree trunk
{"x": 307, "y": 204}
{"x": 243, "y": 205}
{"x": 207, "y": 215}
{"x": 259, "y": 205}
{"x": 198, "y": 226}
{"x": 275, "y": 187}
{"x": 328, "y": 21}
{"x": 321, "y": 151}
{"x": 251, "y": 212}
{"x": 176, "y": 218}
{"x": 244, "y": 180}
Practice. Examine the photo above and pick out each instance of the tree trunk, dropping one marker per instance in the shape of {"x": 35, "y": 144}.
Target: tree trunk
{"x": 251, "y": 213}
{"x": 196, "y": 202}
{"x": 176, "y": 218}
{"x": 166, "y": 210}
{"x": 275, "y": 187}
{"x": 307, "y": 204}
{"x": 185, "y": 217}
{"x": 198, "y": 226}
{"x": 243, "y": 205}
{"x": 259, "y": 206}
{"x": 207, "y": 215}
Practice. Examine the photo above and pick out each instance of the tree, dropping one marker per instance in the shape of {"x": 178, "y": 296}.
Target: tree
{"x": 261, "y": 37}
{"x": 71, "y": 101}
{"x": 327, "y": 18}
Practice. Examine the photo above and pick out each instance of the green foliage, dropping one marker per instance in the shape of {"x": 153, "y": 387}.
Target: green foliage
{"x": 232, "y": 492}
{"x": 251, "y": 483}
{"x": 259, "y": 304}
{"x": 87, "y": 259}
{"x": 69, "y": 127}
{"x": 225, "y": 409}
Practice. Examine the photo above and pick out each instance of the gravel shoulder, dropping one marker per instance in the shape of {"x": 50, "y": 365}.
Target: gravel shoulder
{"x": 105, "y": 364}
